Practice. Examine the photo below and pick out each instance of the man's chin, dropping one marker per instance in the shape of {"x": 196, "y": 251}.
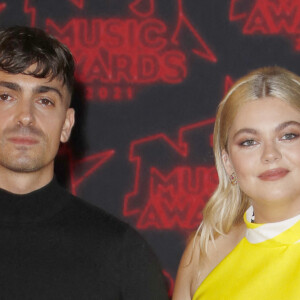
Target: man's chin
{"x": 21, "y": 165}
{"x": 23, "y": 169}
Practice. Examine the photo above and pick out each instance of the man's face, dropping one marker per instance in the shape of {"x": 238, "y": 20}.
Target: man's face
{"x": 34, "y": 119}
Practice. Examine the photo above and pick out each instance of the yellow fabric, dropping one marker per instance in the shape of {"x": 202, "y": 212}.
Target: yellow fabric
{"x": 261, "y": 271}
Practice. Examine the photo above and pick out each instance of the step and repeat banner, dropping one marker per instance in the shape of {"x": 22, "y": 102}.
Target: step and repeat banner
{"x": 150, "y": 74}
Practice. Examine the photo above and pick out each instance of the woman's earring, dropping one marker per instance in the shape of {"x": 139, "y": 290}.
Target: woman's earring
{"x": 233, "y": 179}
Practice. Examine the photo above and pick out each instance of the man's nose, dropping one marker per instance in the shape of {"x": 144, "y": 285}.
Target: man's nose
{"x": 25, "y": 113}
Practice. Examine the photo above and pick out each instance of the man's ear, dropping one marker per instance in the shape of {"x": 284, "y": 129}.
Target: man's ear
{"x": 227, "y": 162}
{"x": 68, "y": 125}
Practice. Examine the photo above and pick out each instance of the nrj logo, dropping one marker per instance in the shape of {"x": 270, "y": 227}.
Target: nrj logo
{"x": 115, "y": 55}
{"x": 173, "y": 179}
{"x": 268, "y": 17}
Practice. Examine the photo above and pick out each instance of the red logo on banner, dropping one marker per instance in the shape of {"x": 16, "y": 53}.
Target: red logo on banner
{"x": 116, "y": 55}
{"x": 142, "y": 8}
{"x": 31, "y": 11}
{"x": 268, "y": 17}
{"x": 167, "y": 196}
{"x": 78, "y": 3}
{"x": 227, "y": 83}
{"x": 170, "y": 282}
{"x": 2, "y": 6}
{"x": 81, "y": 169}
{"x": 173, "y": 179}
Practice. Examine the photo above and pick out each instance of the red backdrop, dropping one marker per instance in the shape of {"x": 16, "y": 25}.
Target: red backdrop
{"x": 150, "y": 74}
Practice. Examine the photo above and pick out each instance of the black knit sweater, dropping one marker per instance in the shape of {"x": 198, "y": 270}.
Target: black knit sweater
{"x": 56, "y": 246}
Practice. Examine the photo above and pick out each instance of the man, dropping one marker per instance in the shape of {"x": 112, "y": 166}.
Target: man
{"x": 54, "y": 245}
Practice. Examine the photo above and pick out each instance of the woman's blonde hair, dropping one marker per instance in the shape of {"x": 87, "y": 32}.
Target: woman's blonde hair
{"x": 227, "y": 205}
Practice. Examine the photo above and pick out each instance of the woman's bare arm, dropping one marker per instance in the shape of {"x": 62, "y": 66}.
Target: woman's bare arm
{"x": 185, "y": 273}
{"x": 193, "y": 269}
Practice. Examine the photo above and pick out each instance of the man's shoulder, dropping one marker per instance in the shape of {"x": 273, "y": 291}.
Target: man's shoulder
{"x": 85, "y": 215}
{"x": 123, "y": 254}
{"x": 97, "y": 229}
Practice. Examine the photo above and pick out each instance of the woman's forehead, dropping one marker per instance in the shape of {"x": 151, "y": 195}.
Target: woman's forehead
{"x": 268, "y": 111}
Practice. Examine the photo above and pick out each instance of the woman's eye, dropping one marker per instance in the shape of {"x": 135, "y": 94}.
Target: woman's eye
{"x": 289, "y": 136}
{"x": 248, "y": 143}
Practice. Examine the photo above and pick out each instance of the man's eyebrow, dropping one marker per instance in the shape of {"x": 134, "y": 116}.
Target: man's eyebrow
{"x": 286, "y": 124}
{"x": 39, "y": 89}
{"x": 44, "y": 89}
{"x": 11, "y": 85}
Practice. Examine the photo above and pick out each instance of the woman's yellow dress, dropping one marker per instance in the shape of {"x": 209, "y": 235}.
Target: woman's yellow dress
{"x": 264, "y": 265}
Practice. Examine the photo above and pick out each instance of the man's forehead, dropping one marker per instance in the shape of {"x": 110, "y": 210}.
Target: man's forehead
{"x": 30, "y": 79}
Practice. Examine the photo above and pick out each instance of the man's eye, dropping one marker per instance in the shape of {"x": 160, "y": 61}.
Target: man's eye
{"x": 46, "y": 102}
{"x": 248, "y": 143}
{"x": 5, "y": 97}
{"x": 289, "y": 136}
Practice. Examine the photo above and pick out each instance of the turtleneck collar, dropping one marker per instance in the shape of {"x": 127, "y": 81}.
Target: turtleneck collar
{"x": 35, "y": 206}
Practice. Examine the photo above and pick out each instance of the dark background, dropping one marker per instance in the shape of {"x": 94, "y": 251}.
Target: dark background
{"x": 142, "y": 148}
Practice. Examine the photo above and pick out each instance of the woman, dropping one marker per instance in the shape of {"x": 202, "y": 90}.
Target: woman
{"x": 248, "y": 244}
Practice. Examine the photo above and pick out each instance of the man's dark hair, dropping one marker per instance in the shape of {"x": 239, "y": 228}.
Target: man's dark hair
{"x": 21, "y": 47}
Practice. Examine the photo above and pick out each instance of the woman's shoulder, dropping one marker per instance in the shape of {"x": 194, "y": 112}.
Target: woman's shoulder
{"x": 186, "y": 270}
{"x": 193, "y": 268}
{"x": 217, "y": 251}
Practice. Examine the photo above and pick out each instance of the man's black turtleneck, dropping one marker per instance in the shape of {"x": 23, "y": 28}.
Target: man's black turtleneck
{"x": 56, "y": 246}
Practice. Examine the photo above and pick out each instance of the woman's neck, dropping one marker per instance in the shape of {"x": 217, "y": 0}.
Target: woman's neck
{"x": 274, "y": 213}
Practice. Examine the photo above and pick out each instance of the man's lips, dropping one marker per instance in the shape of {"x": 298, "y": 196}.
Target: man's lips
{"x": 23, "y": 140}
{"x": 273, "y": 174}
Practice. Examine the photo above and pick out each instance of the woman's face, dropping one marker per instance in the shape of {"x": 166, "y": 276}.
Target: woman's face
{"x": 264, "y": 152}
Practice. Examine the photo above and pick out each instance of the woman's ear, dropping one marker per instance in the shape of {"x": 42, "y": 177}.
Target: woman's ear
{"x": 227, "y": 162}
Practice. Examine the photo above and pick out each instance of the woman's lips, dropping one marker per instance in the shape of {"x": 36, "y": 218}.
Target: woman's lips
{"x": 273, "y": 174}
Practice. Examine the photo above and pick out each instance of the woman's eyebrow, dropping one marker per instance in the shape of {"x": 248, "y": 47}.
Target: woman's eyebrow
{"x": 245, "y": 130}
{"x": 278, "y": 128}
{"x": 286, "y": 124}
